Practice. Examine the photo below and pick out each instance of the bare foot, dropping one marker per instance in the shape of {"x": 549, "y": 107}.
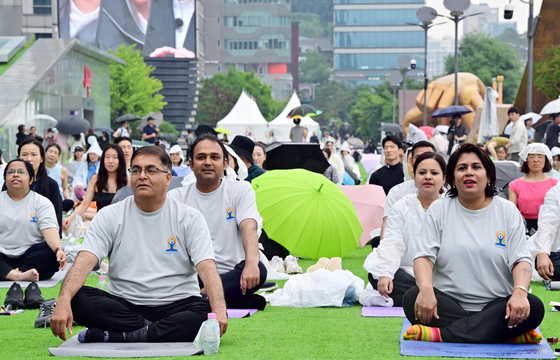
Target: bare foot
{"x": 29, "y": 275}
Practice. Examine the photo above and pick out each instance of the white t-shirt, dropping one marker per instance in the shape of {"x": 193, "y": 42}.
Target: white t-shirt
{"x": 473, "y": 251}
{"x": 152, "y": 256}
{"x": 183, "y": 9}
{"x": 224, "y": 209}
{"x": 21, "y": 222}
{"x": 518, "y": 137}
{"x": 79, "y": 20}
{"x": 398, "y": 192}
{"x": 547, "y": 238}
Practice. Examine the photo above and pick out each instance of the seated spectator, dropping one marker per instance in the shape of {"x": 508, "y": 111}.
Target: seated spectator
{"x": 472, "y": 265}
{"x": 528, "y": 192}
{"x": 392, "y": 173}
{"x": 335, "y": 160}
{"x": 244, "y": 147}
{"x": 180, "y": 165}
{"x": 545, "y": 244}
{"x": 555, "y": 158}
{"x": 331, "y": 172}
{"x": 259, "y": 154}
{"x": 125, "y": 143}
{"x": 89, "y": 167}
{"x": 59, "y": 174}
{"x": 102, "y": 186}
{"x": 156, "y": 247}
{"x": 230, "y": 210}
{"x": 502, "y": 153}
{"x": 30, "y": 248}
{"x": 390, "y": 267}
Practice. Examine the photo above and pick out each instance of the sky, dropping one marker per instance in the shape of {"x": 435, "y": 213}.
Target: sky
{"x": 520, "y": 15}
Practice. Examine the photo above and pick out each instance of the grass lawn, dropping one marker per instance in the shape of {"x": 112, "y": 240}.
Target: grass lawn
{"x": 275, "y": 333}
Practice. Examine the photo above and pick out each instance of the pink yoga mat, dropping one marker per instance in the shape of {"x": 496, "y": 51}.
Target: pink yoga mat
{"x": 240, "y": 313}
{"x": 381, "y": 311}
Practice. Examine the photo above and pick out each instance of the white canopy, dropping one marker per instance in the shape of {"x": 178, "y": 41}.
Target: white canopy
{"x": 243, "y": 118}
{"x": 285, "y": 124}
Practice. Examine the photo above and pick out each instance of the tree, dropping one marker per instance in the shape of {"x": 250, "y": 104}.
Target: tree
{"x": 309, "y": 25}
{"x": 323, "y": 8}
{"x": 365, "y": 113}
{"x": 133, "y": 90}
{"x": 219, "y": 94}
{"x": 547, "y": 73}
{"x": 333, "y": 100}
{"x": 314, "y": 69}
{"x": 517, "y": 40}
{"x": 487, "y": 57}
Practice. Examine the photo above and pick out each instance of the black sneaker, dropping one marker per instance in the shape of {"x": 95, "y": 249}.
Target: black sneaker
{"x": 44, "y": 318}
{"x": 268, "y": 286}
{"x": 14, "y": 297}
{"x": 33, "y": 296}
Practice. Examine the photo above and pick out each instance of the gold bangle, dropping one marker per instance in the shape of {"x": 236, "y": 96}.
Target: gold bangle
{"x": 521, "y": 288}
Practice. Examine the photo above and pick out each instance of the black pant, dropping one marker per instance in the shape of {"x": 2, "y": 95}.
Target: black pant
{"x": 176, "y": 322}
{"x": 39, "y": 257}
{"x": 402, "y": 281}
{"x": 555, "y": 258}
{"x": 231, "y": 281}
{"x": 486, "y": 326}
{"x": 271, "y": 247}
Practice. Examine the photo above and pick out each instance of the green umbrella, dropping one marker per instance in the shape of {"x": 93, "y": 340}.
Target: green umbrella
{"x": 307, "y": 213}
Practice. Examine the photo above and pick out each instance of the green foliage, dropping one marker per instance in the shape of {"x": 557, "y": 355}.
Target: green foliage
{"x": 333, "y": 100}
{"x": 133, "y": 90}
{"x": 487, "y": 57}
{"x": 219, "y": 94}
{"x": 168, "y": 128}
{"x": 322, "y": 8}
{"x": 309, "y": 25}
{"x": 6, "y": 66}
{"x": 518, "y": 41}
{"x": 547, "y": 73}
{"x": 314, "y": 69}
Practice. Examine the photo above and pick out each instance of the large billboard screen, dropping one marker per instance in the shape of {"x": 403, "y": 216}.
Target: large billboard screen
{"x": 159, "y": 28}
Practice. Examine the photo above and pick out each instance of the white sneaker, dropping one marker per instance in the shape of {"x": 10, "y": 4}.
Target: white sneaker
{"x": 291, "y": 265}
{"x": 277, "y": 264}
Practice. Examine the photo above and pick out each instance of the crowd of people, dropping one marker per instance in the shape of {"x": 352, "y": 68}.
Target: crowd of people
{"x": 452, "y": 251}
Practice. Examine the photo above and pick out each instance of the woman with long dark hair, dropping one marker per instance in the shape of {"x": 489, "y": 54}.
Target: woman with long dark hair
{"x": 103, "y": 186}
{"x": 32, "y": 151}
{"x": 59, "y": 174}
{"x": 472, "y": 265}
{"x": 30, "y": 248}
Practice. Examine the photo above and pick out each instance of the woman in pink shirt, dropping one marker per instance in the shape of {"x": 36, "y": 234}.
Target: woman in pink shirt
{"x": 528, "y": 192}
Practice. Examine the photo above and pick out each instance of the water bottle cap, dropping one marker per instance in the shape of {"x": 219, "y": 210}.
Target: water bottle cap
{"x": 211, "y": 316}
{"x": 101, "y": 277}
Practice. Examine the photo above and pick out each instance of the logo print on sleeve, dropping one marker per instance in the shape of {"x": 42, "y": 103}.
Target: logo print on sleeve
{"x": 171, "y": 245}
{"x": 33, "y": 218}
{"x": 230, "y": 213}
{"x": 500, "y": 239}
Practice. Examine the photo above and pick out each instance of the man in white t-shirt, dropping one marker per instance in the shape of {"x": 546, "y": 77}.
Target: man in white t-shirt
{"x": 156, "y": 246}
{"x": 518, "y": 138}
{"x": 230, "y": 210}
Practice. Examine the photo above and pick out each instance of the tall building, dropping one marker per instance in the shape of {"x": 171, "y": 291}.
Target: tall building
{"x": 26, "y": 17}
{"x": 483, "y": 21}
{"x": 369, "y": 37}
{"x": 252, "y": 36}
{"x": 438, "y": 50}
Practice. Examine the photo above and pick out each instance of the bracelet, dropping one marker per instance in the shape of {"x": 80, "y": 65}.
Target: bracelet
{"x": 521, "y": 288}
{"x": 58, "y": 248}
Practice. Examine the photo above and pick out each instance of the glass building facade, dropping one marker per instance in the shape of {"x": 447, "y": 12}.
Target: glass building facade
{"x": 370, "y": 35}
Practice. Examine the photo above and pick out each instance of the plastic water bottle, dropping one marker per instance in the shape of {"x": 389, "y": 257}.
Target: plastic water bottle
{"x": 211, "y": 335}
{"x": 102, "y": 283}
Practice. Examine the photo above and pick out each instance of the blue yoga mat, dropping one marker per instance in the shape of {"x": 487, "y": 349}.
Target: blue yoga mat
{"x": 498, "y": 351}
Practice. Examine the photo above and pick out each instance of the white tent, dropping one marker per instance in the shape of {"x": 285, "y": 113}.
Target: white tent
{"x": 283, "y": 124}
{"x": 245, "y": 117}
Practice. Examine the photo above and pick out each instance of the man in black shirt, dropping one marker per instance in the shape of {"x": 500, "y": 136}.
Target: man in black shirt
{"x": 553, "y": 131}
{"x": 461, "y": 132}
{"x": 392, "y": 173}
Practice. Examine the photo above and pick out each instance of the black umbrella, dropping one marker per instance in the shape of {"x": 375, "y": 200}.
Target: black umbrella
{"x": 203, "y": 129}
{"x": 451, "y": 111}
{"x": 127, "y": 117}
{"x": 506, "y": 172}
{"x": 126, "y": 191}
{"x": 308, "y": 156}
{"x": 391, "y": 128}
{"x": 104, "y": 129}
{"x": 73, "y": 125}
{"x": 303, "y": 111}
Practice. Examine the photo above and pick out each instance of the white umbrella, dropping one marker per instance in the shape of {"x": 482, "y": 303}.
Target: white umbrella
{"x": 530, "y": 115}
{"x": 552, "y": 107}
{"x": 43, "y": 117}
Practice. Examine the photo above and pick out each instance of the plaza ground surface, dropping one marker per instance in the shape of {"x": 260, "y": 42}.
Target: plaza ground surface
{"x": 275, "y": 333}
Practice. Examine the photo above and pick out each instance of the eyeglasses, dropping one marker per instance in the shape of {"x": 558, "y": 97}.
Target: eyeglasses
{"x": 18, "y": 171}
{"x": 150, "y": 171}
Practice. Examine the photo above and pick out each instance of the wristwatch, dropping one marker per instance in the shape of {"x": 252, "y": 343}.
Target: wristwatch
{"x": 57, "y": 249}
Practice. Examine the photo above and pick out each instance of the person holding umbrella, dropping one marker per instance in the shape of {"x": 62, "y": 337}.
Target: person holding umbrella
{"x": 390, "y": 267}
{"x": 150, "y": 131}
{"x": 123, "y": 130}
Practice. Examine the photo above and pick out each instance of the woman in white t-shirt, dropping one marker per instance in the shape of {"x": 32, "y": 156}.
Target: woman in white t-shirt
{"x": 472, "y": 265}
{"x": 122, "y": 131}
{"x": 30, "y": 247}
{"x": 390, "y": 267}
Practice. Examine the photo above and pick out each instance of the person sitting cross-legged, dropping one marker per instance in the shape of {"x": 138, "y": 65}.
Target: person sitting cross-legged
{"x": 156, "y": 246}
{"x": 472, "y": 265}
{"x": 230, "y": 210}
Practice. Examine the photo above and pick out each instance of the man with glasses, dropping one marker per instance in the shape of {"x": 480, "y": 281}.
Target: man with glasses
{"x": 230, "y": 210}
{"x": 156, "y": 246}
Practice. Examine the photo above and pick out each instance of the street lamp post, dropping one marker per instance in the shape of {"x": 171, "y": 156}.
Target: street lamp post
{"x": 404, "y": 63}
{"x": 394, "y": 79}
{"x": 425, "y": 14}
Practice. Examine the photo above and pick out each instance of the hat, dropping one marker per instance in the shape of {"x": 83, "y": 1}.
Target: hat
{"x": 78, "y": 148}
{"x": 243, "y": 146}
{"x": 536, "y": 148}
{"x": 555, "y": 151}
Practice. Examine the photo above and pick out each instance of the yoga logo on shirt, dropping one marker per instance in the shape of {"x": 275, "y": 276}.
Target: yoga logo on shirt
{"x": 171, "y": 244}
{"x": 230, "y": 213}
{"x": 500, "y": 239}
{"x": 33, "y": 218}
